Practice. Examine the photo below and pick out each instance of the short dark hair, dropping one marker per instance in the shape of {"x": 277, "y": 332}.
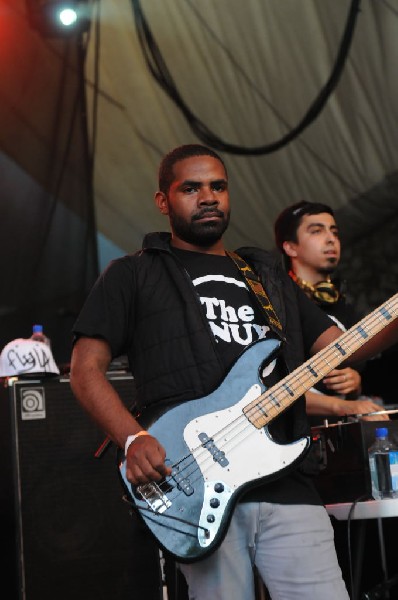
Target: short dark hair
{"x": 166, "y": 174}
{"x": 288, "y": 221}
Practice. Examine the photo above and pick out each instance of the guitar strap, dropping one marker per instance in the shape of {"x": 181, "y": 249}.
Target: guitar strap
{"x": 258, "y": 290}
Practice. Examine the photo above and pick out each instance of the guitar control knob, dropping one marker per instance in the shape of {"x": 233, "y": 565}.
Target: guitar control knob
{"x": 219, "y": 488}
{"x": 214, "y": 503}
{"x": 211, "y": 518}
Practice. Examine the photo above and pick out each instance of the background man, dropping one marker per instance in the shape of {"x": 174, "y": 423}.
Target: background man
{"x": 307, "y": 235}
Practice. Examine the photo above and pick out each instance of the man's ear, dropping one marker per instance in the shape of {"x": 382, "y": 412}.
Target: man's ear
{"x": 161, "y": 203}
{"x": 290, "y": 249}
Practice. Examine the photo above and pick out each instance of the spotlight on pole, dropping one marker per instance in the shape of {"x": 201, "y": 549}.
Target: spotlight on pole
{"x": 59, "y": 18}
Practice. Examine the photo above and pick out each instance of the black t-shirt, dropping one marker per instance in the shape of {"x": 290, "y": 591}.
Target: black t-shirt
{"x": 236, "y": 320}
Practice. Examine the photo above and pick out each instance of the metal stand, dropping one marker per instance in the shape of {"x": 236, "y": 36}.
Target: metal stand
{"x": 382, "y": 590}
{"x": 372, "y": 509}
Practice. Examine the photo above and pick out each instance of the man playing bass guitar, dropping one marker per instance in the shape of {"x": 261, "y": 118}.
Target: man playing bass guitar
{"x": 222, "y": 347}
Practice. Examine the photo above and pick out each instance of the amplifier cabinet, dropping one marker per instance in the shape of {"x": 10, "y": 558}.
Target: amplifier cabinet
{"x": 71, "y": 533}
{"x": 342, "y": 452}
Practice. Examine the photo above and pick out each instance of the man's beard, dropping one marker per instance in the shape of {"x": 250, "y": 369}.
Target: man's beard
{"x": 329, "y": 269}
{"x": 200, "y": 233}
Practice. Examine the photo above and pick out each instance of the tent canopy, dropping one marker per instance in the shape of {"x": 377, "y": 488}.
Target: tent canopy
{"x": 244, "y": 76}
{"x": 300, "y": 98}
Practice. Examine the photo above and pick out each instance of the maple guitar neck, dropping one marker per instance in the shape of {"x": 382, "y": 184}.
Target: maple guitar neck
{"x": 275, "y": 400}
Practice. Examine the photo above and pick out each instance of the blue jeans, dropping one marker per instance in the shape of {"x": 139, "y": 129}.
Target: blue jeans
{"x": 292, "y": 547}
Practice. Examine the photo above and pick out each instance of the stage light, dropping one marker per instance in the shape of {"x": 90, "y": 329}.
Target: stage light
{"x": 67, "y": 16}
{"x": 59, "y": 18}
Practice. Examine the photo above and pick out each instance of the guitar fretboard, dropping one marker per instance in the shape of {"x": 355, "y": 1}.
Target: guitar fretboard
{"x": 271, "y": 403}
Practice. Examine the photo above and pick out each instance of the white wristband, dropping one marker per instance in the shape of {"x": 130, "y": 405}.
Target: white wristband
{"x": 131, "y": 439}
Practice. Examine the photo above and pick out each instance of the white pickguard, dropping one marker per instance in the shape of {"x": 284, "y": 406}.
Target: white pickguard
{"x": 251, "y": 454}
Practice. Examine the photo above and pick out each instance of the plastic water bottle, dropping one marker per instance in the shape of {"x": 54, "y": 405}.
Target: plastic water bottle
{"x": 38, "y": 335}
{"x": 383, "y": 463}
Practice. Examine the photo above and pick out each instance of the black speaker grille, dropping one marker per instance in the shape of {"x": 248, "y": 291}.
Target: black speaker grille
{"x": 76, "y": 537}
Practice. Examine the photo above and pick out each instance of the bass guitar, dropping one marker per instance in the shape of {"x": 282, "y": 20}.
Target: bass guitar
{"x": 218, "y": 446}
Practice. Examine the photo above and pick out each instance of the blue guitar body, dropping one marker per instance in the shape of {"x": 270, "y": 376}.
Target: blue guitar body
{"x": 216, "y": 454}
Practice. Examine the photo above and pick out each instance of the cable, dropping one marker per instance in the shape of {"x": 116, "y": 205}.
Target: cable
{"x": 349, "y": 518}
{"x": 161, "y": 74}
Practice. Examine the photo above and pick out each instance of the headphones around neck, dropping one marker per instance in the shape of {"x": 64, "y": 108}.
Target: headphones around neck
{"x": 324, "y": 292}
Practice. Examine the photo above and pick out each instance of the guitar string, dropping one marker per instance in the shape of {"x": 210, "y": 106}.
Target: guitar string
{"x": 378, "y": 316}
{"x": 329, "y": 354}
{"x": 280, "y": 390}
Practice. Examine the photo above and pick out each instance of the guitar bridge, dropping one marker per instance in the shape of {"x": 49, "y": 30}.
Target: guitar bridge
{"x": 154, "y": 497}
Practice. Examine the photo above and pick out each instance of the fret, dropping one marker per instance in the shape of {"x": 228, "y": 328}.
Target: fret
{"x": 288, "y": 390}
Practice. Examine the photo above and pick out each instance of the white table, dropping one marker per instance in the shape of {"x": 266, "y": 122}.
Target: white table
{"x": 371, "y": 509}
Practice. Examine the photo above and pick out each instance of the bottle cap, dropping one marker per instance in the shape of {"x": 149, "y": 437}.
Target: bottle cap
{"x": 381, "y": 432}
{"x": 37, "y": 328}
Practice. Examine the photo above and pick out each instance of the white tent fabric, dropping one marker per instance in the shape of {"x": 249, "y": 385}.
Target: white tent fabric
{"x": 249, "y": 71}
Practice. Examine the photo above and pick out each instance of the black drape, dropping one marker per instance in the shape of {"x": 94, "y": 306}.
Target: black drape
{"x": 48, "y": 257}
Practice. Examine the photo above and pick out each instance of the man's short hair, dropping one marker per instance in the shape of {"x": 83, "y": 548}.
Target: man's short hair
{"x": 166, "y": 173}
{"x": 288, "y": 221}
